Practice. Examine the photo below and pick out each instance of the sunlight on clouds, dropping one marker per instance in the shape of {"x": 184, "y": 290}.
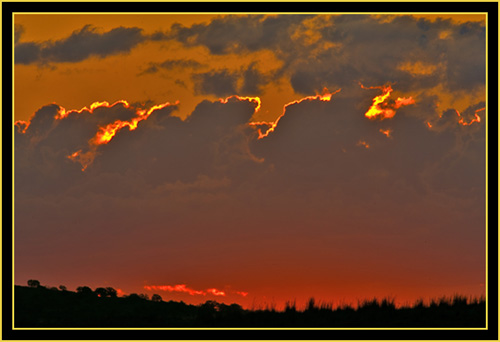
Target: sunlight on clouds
{"x": 418, "y": 68}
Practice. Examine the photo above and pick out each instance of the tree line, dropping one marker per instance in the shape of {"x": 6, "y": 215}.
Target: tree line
{"x": 99, "y": 291}
{"x": 40, "y": 306}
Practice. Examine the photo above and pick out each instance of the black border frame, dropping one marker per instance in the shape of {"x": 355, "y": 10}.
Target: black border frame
{"x": 8, "y": 8}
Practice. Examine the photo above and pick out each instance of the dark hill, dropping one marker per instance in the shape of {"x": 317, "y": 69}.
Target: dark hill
{"x": 42, "y": 307}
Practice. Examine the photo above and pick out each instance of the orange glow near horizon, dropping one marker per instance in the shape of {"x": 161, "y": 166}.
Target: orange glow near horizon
{"x": 216, "y": 292}
{"x": 300, "y": 298}
{"x": 382, "y": 110}
{"x": 183, "y": 288}
{"x": 326, "y": 96}
{"x": 175, "y": 288}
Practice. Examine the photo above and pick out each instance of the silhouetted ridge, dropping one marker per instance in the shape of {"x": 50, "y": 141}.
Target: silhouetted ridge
{"x": 39, "y": 306}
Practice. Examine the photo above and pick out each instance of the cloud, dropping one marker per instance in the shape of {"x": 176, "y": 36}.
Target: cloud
{"x": 238, "y": 33}
{"x": 439, "y": 57}
{"x": 247, "y": 81}
{"x": 370, "y": 51}
{"x": 80, "y": 45}
{"x": 136, "y": 139}
{"x": 18, "y": 32}
{"x": 176, "y": 288}
{"x": 182, "y": 288}
{"x": 171, "y": 64}
{"x": 253, "y": 80}
{"x": 323, "y": 147}
{"x": 215, "y": 149}
{"x": 27, "y": 53}
{"x": 221, "y": 83}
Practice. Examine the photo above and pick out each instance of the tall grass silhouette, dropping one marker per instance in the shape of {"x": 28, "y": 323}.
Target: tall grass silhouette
{"x": 38, "y": 306}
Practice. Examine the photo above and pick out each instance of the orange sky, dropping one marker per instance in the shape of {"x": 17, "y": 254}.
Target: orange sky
{"x": 116, "y": 77}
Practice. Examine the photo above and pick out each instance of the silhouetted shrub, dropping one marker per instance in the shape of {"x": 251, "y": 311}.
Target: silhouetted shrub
{"x": 111, "y": 292}
{"x": 310, "y": 305}
{"x": 290, "y": 307}
{"x": 84, "y": 290}
{"x": 156, "y": 298}
{"x": 33, "y": 283}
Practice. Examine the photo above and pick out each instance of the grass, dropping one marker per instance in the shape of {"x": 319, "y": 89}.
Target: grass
{"x": 42, "y": 307}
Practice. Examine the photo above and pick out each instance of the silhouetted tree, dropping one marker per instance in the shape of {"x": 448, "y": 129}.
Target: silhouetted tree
{"x": 101, "y": 292}
{"x": 156, "y": 298}
{"x": 207, "y": 313}
{"x": 133, "y": 296}
{"x": 111, "y": 292}
{"x": 106, "y": 292}
{"x": 33, "y": 283}
{"x": 63, "y": 288}
{"x": 85, "y": 290}
{"x": 144, "y": 296}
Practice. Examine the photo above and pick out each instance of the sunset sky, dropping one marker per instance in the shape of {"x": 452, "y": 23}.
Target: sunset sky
{"x": 254, "y": 159}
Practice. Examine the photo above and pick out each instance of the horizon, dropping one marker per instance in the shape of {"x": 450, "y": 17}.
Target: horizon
{"x": 289, "y": 304}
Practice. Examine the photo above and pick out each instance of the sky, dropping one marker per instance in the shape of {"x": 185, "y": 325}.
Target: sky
{"x": 252, "y": 159}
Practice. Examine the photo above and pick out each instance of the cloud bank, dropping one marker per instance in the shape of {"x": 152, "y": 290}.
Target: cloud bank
{"x": 80, "y": 45}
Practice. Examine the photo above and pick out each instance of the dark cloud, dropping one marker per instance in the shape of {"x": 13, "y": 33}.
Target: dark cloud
{"x": 352, "y": 47}
{"x": 322, "y": 143}
{"x": 372, "y": 51}
{"x": 18, "y": 32}
{"x": 465, "y": 57}
{"x": 225, "y": 82}
{"x": 323, "y": 148}
{"x": 27, "y": 53}
{"x": 220, "y": 83}
{"x": 171, "y": 64}
{"x": 253, "y": 80}
{"x": 80, "y": 45}
{"x": 49, "y": 140}
{"x": 156, "y": 148}
{"x": 239, "y": 33}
